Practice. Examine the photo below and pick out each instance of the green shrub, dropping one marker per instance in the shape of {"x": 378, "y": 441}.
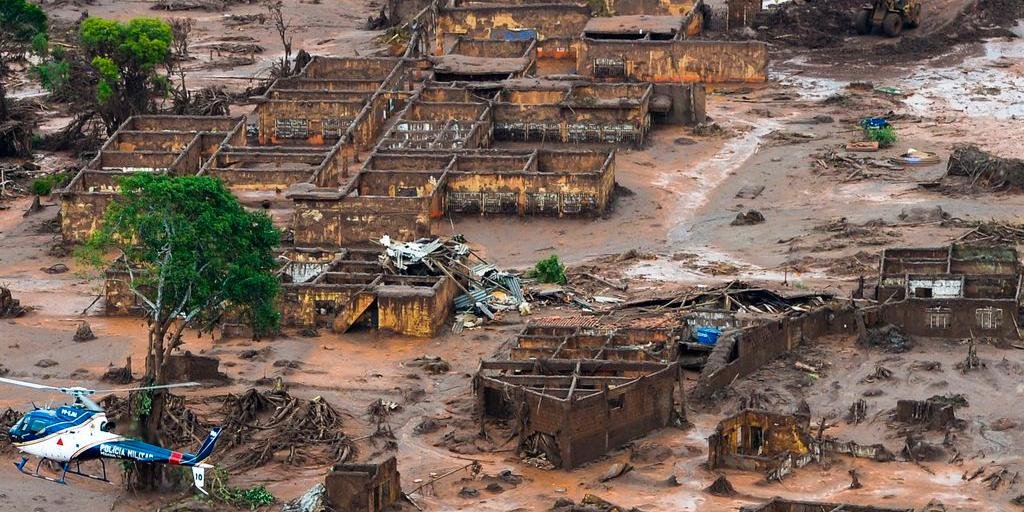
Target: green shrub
{"x": 549, "y": 270}
{"x": 43, "y": 185}
{"x": 886, "y": 135}
{"x": 253, "y": 497}
{"x": 55, "y": 76}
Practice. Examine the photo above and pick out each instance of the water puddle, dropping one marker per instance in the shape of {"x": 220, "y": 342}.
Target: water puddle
{"x": 990, "y": 85}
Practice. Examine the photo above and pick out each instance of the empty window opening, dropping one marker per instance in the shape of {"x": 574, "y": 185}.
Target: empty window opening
{"x": 756, "y": 437}
{"x": 989, "y": 318}
{"x": 939, "y": 318}
{"x": 616, "y": 402}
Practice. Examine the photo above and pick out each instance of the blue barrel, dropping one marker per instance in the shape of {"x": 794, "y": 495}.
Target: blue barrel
{"x": 708, "y": 335}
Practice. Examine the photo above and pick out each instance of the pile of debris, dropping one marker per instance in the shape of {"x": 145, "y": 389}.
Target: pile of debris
{"x": 888, "y": 337}
{"x": 259, "y": 427}
{"x": 190, "y": 5}
{"x": 181, "y": 426}
{"x": 736, "y": 296}
{"x": 984, "y": 168}
{"x": 852, "y": 167}
{"x": 749, "y": 218}
{"x": 589, "y": 503}
{"x": 208, "y": 101}
{"x": 273, "y": 425}
{"x": 7, "y": 420}
{"x": 486, "y": 289}
{"x": 990, "y": 233}
{"x": 9, "y": 306}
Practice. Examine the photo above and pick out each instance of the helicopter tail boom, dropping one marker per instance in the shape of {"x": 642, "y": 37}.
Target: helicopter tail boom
{"x": 204, "y": 451}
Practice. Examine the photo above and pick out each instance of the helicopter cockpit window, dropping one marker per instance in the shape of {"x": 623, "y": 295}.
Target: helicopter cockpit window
{"x": 37, "y": 426}
{"x": 29, "y": 426}
{"x": 19, "y": 428}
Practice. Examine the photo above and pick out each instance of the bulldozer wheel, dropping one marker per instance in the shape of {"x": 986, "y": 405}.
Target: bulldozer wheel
{"x": 892, "y": 24}
{"x": 862, "y": 22}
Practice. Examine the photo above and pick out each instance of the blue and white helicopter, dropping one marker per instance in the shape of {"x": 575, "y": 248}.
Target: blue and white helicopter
{"x": 80, "y": 432}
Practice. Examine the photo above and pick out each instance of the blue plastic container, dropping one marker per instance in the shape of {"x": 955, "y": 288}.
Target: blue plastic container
{"x": 708, "y": 335}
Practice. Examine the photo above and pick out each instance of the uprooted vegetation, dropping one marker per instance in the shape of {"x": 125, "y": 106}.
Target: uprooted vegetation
{"x": 260, "y": 427}
{"x": 983, "y": 168}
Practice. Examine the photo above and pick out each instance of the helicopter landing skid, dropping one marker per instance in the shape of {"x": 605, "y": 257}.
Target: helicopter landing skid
{"x": 65, "y": 470}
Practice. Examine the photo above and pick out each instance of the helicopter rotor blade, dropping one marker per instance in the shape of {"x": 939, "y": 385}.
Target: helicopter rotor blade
{"x": 164, "y": 386}
{"x": 32, "y": 385}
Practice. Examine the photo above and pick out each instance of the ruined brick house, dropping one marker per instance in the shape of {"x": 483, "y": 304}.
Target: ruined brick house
{"x": 339, "y": 290}
{"x": 775, "y": 444}
{"x": 118, "y": 297}
{"x": 308, "y": 129}
{"x": 574, "y": 411}
{"x": 956, "y": 291}
{"x": 175, "y": 145}
{"x": 761, "y": 441}
{"x": 620, "y": 40}
{"x": 757, "y": 325}
{"x": 366, "y": 487}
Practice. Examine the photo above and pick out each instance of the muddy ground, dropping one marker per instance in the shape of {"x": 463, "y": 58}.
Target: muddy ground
{"x": 680, "y": 198}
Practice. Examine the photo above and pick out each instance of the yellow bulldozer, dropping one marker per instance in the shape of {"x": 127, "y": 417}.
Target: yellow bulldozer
{"x": 889, "y": 15}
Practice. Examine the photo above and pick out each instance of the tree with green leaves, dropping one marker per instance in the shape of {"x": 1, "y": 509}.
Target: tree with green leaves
{"x": 22, "y": 26}
{"x": 126, "y": 57}
{"x": 193, "y": 256}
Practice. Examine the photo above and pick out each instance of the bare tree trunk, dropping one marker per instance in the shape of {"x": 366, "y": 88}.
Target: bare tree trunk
{"x": 4, "y": 113}
{"x": 153, "y": 477}
{"x": 274, "y": 8}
